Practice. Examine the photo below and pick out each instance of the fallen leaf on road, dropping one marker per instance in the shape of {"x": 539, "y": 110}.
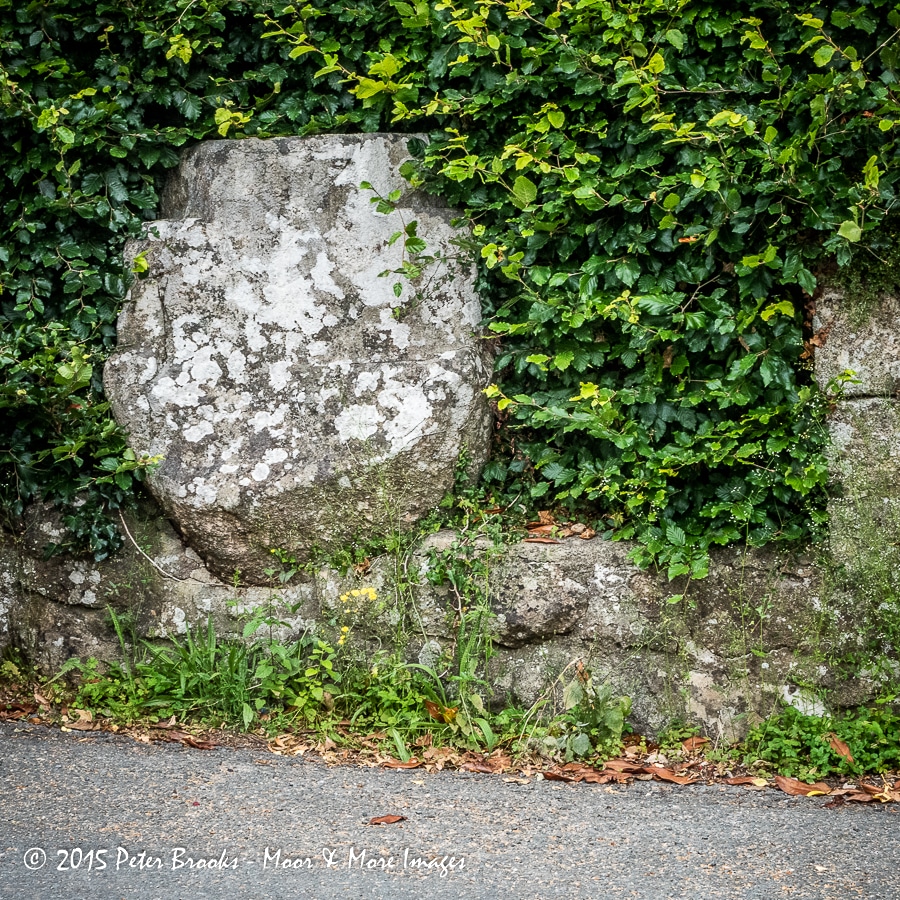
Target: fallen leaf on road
{"x": 15, "y": 711}
{"x": 85, "y": 720}
{"x": 41, "y": 700}
{"x": 397, "y": 764}
{"x": 476, "y": 766}
{"x": 387, "y": 820}
{"x": 539, "y": 540}
{"x": 884, "y": 794}
{"x": 623, "y": 765}
{"x": 196, "y": 743}
{"x": 588, "y": 774}
{"x": 799, "y": 788}
{"x": 747, "y": 779}
{"x": 596, "y": 777}
{"x": 668, "y": 775}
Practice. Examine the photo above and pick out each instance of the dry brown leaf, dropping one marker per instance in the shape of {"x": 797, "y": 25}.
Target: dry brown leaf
{"x": 41, "y": 700}
{"x": 882, "y": 793}
{"x": 664, "y": 774}
{"x": 623, "y": 765}
{"x": 480, "y": 767}
{"x": 558, "y": 776}
{"x": 500, "y": 760}
{"x": 747, "y": 779}
{"x": 397, "y": 764}
{"x": 589, "y": 774}
{"x": 538, "y": 530}
{"x": 799, "y": 788}
{"x": 595, "y": 777}
{"x": 387, "y": 820}
{"x": 539, "y": 540}
{"x": 870, "y": 788}
{"x": 15, "y": 711}
{"x": 167, "y": 725}
{"x": 620, "y": 777}
{"x": 838, "y": 746}
{"x": 197, "y": 743}
{"x": 694, "y": 743}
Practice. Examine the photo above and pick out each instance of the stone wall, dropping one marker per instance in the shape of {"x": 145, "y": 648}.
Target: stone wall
{"x": 297, "y": 401}
{"x": 739, "y": 641}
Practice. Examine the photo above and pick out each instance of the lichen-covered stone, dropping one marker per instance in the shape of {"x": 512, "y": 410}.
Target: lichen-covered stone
{"x": 723, "y": 656}
{"x": 58, "y": 607}
{"x": 738, "y": 644}
{"x": 864, "y": 341}
{"x": 864, "y": 465}
{"x": 295, "y": 400}
{"x": 865, "y": 446}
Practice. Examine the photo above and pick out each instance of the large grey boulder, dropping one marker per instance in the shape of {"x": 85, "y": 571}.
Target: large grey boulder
{"x": 295, "y": 400}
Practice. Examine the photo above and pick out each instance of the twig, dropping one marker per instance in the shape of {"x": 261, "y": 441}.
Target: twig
{"x": 152, "y": 562}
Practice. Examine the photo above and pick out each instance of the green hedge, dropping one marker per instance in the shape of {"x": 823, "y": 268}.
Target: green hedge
{"x": 656, "y": 188}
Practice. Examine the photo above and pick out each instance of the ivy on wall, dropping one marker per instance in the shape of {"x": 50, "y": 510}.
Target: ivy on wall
{"x": 655, "y": 189}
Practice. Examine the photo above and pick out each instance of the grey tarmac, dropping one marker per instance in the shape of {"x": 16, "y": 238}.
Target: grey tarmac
{"x": 187, "y": 824}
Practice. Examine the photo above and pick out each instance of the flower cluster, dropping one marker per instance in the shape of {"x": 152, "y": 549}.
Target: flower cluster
{"x": 366, "y": 593}
{"x": 351, "y": 602}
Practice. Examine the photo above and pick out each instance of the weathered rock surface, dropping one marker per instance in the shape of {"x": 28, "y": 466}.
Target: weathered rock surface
{"x": 864, "y": 455}
{"x": 865, "y": 446}
{"x": 295, "y": 400}
{"x": 741, "y": 641}
{"x": 864, "y": 341}
{"x": 57, "y": 608}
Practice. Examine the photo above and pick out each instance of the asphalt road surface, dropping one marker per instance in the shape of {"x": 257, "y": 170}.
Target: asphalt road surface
{"x": 102, "y": 816}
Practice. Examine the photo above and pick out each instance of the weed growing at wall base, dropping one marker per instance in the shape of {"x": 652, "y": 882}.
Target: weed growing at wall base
{"x": 813, "y": 747}
{"x": 308, "y": 683}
